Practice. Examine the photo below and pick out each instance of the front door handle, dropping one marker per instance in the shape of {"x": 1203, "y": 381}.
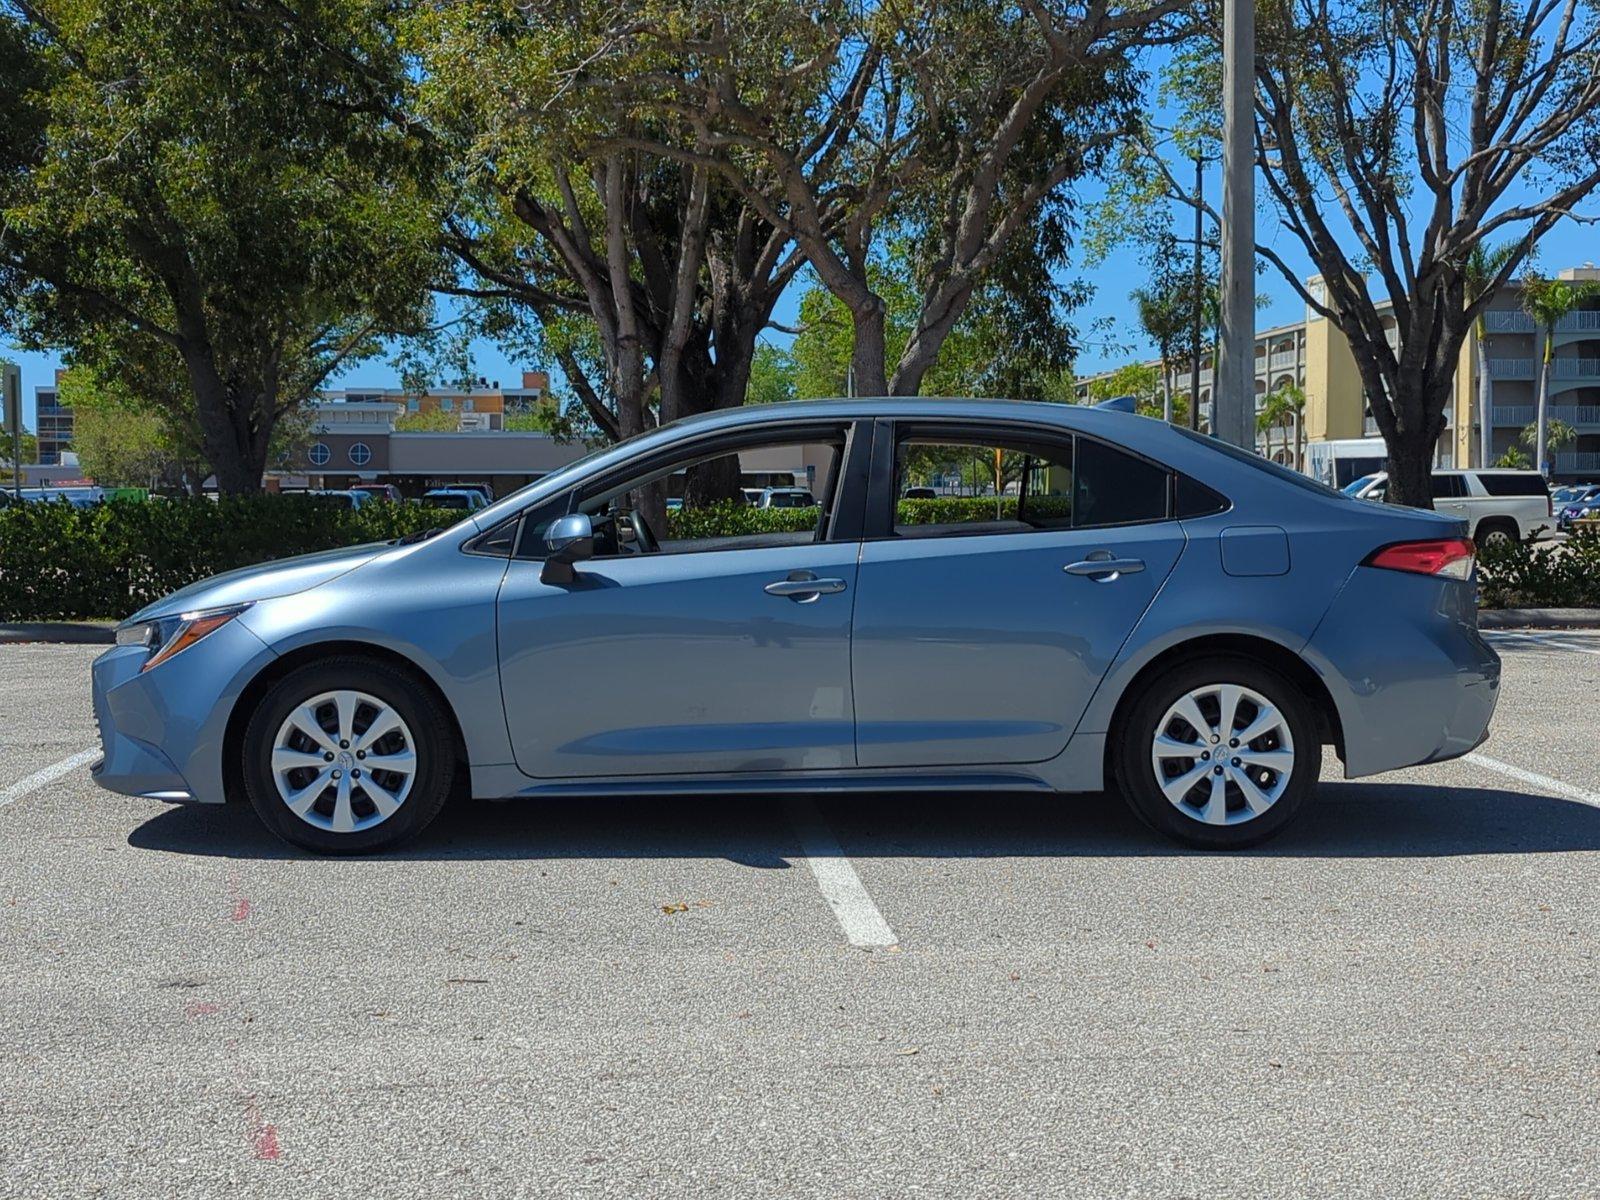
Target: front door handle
{"x": 1102, "y": 567}
{"x": 803, "y": 586}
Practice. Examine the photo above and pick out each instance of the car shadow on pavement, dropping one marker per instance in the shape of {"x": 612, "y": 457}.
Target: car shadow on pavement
{"x": 1348, "y": 820}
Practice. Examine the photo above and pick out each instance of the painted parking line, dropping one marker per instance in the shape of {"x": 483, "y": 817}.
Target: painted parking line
{"x": 1557, "y": 787}
{"x": 1544, "y": 639}
{"x": 841, "y": 887}
{"x": 32, "y": 783}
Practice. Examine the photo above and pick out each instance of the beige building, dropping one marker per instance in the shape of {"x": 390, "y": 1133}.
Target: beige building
{"x": 1316, "y": 356}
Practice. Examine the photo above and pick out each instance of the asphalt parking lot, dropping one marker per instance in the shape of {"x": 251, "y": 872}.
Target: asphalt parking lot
{"x": 890, "y": 996}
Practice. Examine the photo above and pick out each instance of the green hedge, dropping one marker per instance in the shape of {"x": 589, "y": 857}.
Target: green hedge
{"x": 58, "y": 562}
{"x": 1542, "y": 574}
{"x": 732, "y": 518}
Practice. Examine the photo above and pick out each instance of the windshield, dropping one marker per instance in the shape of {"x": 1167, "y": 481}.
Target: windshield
{"x": 1355, "y": 486}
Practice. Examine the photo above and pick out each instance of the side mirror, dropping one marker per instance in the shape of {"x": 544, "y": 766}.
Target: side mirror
{"x": 569, "y": 539}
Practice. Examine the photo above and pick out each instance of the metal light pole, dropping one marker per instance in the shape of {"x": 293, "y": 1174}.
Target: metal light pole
{"x": 1234, "y": 390}
{"x": 1198, "y": 299}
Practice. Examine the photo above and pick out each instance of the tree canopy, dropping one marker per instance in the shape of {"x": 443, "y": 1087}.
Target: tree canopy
{"x": 212, "y": 192}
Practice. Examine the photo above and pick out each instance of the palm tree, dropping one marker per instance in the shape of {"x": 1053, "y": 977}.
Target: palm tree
{"x": 1165, "y": 320}
{"x": 1547, "y": 301}
{"x": 1278, "y": 410}
{"x": 1482, "y": 268}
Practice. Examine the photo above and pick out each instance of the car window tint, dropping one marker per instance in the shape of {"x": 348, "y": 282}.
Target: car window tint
{"x": 1115, "y": 488}
{"x": 1194, "y": 499}
{"x": 1448, "y": 487}
{"x": 1512, "y": 483}
{"x": 956, "y": 486}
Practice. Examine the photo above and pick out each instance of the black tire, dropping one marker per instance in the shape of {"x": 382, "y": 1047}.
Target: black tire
{"x": 1136, "y": 773}
{"x": 428, "y": 724}
{"x": 1491, "y": 530}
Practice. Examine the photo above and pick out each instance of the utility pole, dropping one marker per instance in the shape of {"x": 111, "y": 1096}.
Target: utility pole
{"x": 1198, "y": 298}
{"x": 11, "y": 391}
{"x": 1234, "y": 389}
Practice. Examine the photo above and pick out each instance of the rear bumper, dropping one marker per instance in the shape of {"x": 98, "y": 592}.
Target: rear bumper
{"x": 1412, "y": 678}
{"x": 162, "y": 730}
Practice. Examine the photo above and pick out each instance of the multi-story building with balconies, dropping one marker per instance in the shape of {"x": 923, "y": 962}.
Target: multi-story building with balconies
{"x": 1316, "y": 356}
{"x": 1515, "y": 349}
{"x": 53, "y": 424}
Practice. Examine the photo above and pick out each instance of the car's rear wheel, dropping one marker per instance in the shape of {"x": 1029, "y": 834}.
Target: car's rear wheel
{"x": 1219, "y": 753}
{"x": 347, "y": 756}
{"x": 1496, "y": 533}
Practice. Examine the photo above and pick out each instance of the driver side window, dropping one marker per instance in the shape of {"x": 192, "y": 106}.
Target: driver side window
{"x": 774, "y": 493}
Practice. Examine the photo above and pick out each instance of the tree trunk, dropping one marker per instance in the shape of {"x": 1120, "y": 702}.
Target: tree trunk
{"x": 868, "y": 361}
{"x": 1410, "y": 468}
{"x": 236, "y": 453}
{"x": 1166, "y": 391}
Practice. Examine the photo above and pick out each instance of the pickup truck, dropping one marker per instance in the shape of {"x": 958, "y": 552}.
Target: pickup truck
{"x": 1498, "y": 503}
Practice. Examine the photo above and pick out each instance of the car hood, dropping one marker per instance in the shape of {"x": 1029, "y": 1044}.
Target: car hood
{"x": 266, "y": 581}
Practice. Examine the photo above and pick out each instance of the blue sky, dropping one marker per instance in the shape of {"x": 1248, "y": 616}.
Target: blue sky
{"x": 1570, "y": 244}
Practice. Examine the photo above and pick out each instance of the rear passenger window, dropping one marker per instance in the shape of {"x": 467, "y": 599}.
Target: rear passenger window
{"x": 948, "y": 485}
{"x": 959, "y": 487}
{"x": 1513, "y": 483}
{"x": 1115, "y": 488}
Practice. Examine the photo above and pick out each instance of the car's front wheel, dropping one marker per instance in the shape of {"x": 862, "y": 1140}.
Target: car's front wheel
{"x": 347, "y": 756}
{"x": 1219, "y": 753}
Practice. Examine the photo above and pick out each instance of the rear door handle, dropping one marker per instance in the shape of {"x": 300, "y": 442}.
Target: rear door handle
{"x": 1103, "y": 568}
{"x": 803, "y": 586}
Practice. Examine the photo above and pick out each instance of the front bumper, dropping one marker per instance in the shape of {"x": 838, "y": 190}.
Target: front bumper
{"x": 162, "y": 730}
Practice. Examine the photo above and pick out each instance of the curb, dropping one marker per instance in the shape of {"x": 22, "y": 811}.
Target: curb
{"x": 78, "y": 633}
{"x": 1539, "y": 618}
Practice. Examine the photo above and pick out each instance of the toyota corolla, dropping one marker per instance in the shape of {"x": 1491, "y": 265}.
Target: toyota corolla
{"x": 1089, "y": 599}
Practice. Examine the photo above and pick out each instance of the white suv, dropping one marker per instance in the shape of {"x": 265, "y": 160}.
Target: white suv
{"x": 1498, "y": 503}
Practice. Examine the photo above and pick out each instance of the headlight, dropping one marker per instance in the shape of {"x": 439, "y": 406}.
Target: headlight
{"x": 167, "y": 636}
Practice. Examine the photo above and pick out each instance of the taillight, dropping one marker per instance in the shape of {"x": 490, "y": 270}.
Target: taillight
{"x": 1450, "y": 557}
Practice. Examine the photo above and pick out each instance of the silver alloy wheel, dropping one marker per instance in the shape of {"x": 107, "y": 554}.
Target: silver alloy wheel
{"x": 344, "y": 761}
{"x": 1223, "y": 754}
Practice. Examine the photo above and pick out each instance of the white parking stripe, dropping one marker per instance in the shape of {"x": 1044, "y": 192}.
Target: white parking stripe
{"x": 32, "y": 783}
{"x": 1556, "y": 786}
{"x": 1544, "y": 639}
{"x": 841, "y": 887}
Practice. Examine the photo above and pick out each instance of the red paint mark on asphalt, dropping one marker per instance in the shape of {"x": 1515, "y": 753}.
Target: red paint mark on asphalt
{"x": 241, "y": 903}
{"x": 263, "y": 1134}
{"x": 267, "y": 1142}
{"x": 202, "y": 1008}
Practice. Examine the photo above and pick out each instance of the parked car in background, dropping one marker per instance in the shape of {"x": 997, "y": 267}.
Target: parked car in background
{"x": 1579, "y": 504}
{"x": 343, "y": 497}
{"x": 1160, "y": 613}
{"x": 378, "y": 491}
{"x": 787, "y": 497}
{"x": 466, "y": 499}
{"x": 1498, "y": 504}
{"x": 921, "y": 493}
{"x": 78, "y": 497}
{"x": 752, "y": 496}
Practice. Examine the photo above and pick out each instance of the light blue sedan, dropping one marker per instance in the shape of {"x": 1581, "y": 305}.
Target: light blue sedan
{"x": 1112, "y": 602}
